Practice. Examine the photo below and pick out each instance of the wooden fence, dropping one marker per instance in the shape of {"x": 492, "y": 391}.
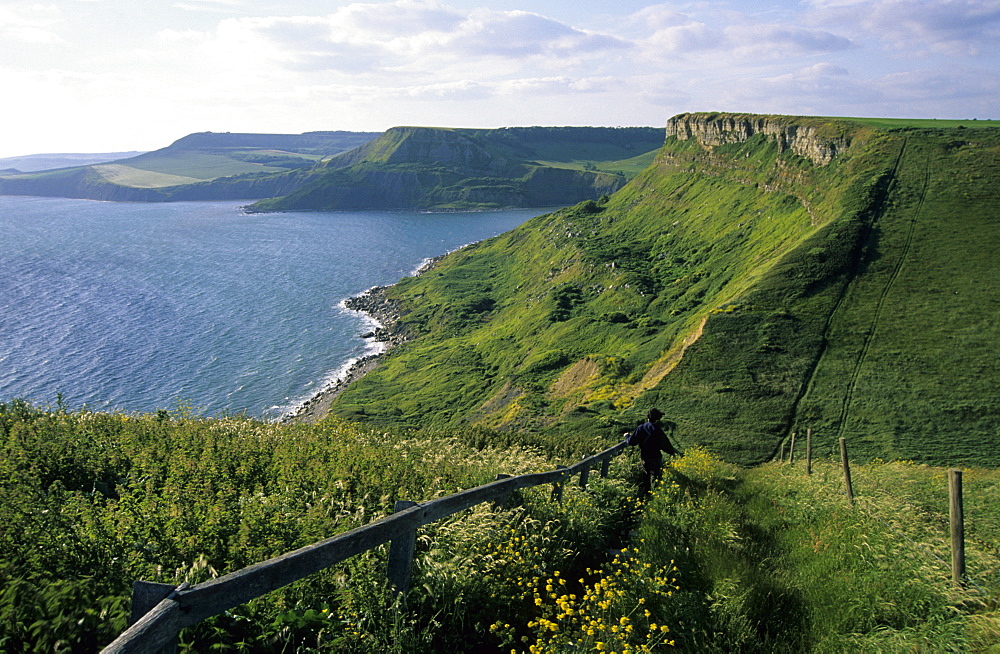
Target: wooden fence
{"x": 161, "y": 611}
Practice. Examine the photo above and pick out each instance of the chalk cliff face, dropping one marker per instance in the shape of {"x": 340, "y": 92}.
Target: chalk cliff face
{"x": 800, "y": 136}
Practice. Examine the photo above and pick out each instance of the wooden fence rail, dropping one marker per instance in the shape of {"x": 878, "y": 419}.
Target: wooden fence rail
{"x": 173, "y": 609}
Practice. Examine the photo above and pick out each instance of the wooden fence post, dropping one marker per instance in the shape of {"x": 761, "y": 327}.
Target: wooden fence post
{"x": 605, "y": 467}
{"x": 401, "y": 549}
{"x": 781, "y": 454}
{"x": 847, "y": 470}
{"x": 791, "y": 450}
{"x": 956, "y": 513}
{"x": 809, "y": 451}
{"x": 557, "y": 487}
{"x": 145, "y": 596}
{"x": 584, "y": 476}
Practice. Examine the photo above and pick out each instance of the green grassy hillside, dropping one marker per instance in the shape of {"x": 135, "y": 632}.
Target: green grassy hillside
{"x": 928, "y": 123}
{"x": 765, "y": 274}
{"x": 907, "y": 370}
{"x": 439, "y": 168}
{"x": 199, "y": 166}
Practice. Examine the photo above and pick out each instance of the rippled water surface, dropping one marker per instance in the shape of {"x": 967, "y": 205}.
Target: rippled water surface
{"x": 140, "y": 307}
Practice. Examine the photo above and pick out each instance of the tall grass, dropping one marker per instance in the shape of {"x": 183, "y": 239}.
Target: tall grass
{"x": 771, "y": 559}
{"x": 717, "y": 559}
{"x": 91, "y": 501}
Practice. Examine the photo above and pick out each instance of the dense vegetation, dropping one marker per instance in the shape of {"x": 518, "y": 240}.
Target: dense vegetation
{"x": 856, "y": 297}
{"x": 92, "y": 501}
{"x": 717, "y": 560}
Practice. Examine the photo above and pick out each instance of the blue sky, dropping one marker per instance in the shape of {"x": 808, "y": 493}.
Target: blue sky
{"x": 109, "y": 75}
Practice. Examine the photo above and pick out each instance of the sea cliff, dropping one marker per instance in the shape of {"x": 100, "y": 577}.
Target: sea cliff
{"x": 818, "y": 142}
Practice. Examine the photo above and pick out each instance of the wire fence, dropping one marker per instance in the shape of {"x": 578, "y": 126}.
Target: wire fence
{"x": 951, "y": 530}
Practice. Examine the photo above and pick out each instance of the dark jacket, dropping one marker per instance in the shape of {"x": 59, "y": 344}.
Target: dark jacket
{"x": 651, "y": 440}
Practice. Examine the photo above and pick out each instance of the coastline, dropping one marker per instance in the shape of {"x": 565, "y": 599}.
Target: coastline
{"x": 386, "y": 314}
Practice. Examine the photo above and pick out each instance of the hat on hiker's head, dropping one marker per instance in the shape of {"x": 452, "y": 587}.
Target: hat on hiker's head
{"x": 654, "y": 414}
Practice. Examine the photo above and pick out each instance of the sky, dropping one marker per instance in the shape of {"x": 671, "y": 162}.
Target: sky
{"x": 119, "y": 75}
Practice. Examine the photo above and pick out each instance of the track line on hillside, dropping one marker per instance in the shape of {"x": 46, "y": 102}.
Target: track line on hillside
{"x": 878, "y": 210}
{"x": 877, "y": 314}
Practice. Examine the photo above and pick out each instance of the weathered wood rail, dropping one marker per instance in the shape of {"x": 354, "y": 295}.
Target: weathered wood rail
{"x": 172, "y": 609}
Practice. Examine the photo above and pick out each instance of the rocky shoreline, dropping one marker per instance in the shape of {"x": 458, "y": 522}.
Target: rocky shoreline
{"x": 386, "y": 313}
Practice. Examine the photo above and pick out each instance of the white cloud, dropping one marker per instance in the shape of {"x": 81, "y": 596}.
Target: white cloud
{"x": 534, "y": 86}
{"x": 422, "y": 37}
{"x": 217, "y": 6}
{"x": 522, "y": 89}
{"x": 461, "y": 90}
{"x": 30, "y": 23}
{"x": 28, "y": 34}
{"x": 169, "y": 36}
{"x": 950, "y": 27}
{"x": 515, "y": 34}
{"x": 685, "y": 38}
{"x": 731, "y": 36}
{"x": 774, "y": 40}
{"x": 403, "y": 18}
{"x": 958, "y": 93}
{"x": 304, "y": 43}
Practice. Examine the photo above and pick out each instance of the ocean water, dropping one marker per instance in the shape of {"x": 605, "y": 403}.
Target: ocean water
{"x": 139, "y": 307}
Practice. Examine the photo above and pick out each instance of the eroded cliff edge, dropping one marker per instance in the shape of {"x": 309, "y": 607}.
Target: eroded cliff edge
{"x": 817, "y": 140}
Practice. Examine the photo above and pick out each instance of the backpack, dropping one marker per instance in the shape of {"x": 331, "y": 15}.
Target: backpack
{"x": 637, "y": 436}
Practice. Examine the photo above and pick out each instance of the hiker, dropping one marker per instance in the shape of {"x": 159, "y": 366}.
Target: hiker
{"x": 651, "y": 440}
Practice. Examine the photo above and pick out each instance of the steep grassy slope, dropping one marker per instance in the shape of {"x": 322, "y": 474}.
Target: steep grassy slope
{"x": 437, "y": 168}
{"x": 199, "y": 166}
{"x": 746, "y": 266}
{"x": 909, "y": 369}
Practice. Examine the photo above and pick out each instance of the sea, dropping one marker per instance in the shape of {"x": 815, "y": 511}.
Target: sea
{"x": 198, "y": 306}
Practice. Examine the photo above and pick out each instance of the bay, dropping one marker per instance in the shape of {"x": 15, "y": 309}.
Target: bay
{"x": 140, "y": 307}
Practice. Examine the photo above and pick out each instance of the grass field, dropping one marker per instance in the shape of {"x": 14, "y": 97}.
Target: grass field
{"x": 198, "y": 165}
{"x": 925, "y": 123}
{"x": 628, "y": 167}
{"x": 770, "y": 559}
{"x": 129, "y": 176}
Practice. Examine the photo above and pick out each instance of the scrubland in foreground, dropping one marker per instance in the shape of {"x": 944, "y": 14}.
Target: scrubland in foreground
{"x": 717, "y": 559}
